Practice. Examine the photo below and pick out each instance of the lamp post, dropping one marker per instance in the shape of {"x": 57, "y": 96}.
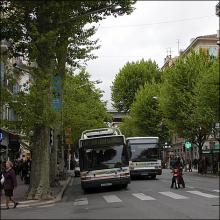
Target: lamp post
{"x": 166, "y": 148}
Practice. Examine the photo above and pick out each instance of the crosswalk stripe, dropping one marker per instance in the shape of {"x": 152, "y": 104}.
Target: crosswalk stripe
{"x": 111, "y": 199}
{"x": 45, "y": 206}
{"x": 203, "y": 194}
{"x": 216, "y": 190}
{"x": 173, "y": 195}
{"x": 81, "y": 201}
{"x": 191, "y": 187}
{"x": 23, "y": 204}
{"x": 142, "y": 196}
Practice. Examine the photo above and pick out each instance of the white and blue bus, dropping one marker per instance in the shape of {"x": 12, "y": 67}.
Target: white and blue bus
{"x": 145, "y": 156}
{"x": 103, "y": 158}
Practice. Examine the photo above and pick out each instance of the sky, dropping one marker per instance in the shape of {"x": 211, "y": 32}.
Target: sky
{"x": 154, "y": 30}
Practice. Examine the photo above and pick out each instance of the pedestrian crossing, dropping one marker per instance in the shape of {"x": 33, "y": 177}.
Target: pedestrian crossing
{"x": 112, "y": 198}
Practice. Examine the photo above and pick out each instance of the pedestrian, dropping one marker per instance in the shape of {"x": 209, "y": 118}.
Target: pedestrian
{"x": 190, "y": 165}
{"x": 180, "y": 178}
{"x": 174, "y": 178}
{"x": 9, "y": 184}
{"x": 2, "y": 176}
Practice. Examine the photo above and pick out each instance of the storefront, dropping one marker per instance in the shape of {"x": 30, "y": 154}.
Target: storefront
{"x": 213, "y": 158}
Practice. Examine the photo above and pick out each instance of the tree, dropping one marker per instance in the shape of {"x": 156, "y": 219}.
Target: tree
{"x": 145, "y": 117}
{"x": 52, "y": 35}
{"x": 129, "y": 79}
{"x": 181, "y": 97}
{"x": 83, "y": 108}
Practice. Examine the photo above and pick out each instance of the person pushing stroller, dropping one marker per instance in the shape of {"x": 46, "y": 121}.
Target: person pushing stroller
{"x": 177, "y": 172}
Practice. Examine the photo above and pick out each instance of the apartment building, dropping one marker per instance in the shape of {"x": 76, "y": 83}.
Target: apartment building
{"x": 10, "y": 141}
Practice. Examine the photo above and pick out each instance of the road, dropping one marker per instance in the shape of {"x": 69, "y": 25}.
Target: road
{"x": 143, "y": 199}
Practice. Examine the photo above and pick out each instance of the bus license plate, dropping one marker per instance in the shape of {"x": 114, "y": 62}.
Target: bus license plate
{"x": 106, "y": 184}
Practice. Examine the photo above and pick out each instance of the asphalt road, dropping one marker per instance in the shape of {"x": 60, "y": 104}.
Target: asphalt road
{"x": 143, "y": 199}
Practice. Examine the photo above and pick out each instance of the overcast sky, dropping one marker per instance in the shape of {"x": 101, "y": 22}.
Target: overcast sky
{"x": 154, "y": 28}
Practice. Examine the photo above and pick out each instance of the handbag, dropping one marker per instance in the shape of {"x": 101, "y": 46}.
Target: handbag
{"x": 2, "y": 179}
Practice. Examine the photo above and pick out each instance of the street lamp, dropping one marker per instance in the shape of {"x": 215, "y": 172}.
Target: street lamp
{"x": 165, "y": 149}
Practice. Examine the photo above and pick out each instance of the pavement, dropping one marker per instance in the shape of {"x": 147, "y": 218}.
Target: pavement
{"x": 20, "y": 194}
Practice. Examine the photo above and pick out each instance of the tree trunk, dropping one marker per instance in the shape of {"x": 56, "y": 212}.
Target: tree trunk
{"x": 53, "y": 160}
{"x": 40, "y": 185}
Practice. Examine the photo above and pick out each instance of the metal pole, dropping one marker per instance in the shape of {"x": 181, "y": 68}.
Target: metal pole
{"x": 69, "y": 155}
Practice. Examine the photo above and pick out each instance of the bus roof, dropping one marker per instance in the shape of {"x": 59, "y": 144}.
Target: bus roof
{"x": 100, "y": 132}
{"x": 134, "y": 138}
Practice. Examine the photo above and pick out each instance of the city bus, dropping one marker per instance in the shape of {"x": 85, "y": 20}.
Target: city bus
{"x": 145, "y": 156}
{"x": 103, "y": 158}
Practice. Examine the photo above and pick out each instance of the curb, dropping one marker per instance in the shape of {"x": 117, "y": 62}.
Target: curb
{"x": 201, "y": 175}
{"x": 60, "y": 195}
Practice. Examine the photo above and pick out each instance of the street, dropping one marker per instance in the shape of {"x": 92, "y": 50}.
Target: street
{"x": 143, "y": 199}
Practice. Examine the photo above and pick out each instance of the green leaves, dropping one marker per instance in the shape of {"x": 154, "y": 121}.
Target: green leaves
{"x": 130, "y": 79}
{"x": 83, "y": 108}
{"x": 190, "y": 95}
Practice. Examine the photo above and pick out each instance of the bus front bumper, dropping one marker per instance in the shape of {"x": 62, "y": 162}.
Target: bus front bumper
{"x": 145, "y": 172}
{"x": 105, "y": 182}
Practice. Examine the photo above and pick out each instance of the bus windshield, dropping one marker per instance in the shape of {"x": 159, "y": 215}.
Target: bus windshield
{"x": 144, "y": 152}
{"x": 104, "y": 157}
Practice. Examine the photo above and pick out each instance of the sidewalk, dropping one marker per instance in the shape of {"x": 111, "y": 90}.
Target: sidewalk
{"x": 20, "y": 194}
{"x": 195, "y": 173}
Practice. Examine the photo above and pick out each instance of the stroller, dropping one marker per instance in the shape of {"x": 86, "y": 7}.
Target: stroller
{"x": 177, "y": 178}
{"x": 175, "y": 181}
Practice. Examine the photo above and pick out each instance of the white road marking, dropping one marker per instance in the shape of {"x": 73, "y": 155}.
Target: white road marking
{"x": 142, "y": 196}
{"x": 23, "y": 205}
{"x": 111, "y": 199}
{"x": 45, "y": 206}
{"x": 173, "y": 195}
{"x": 191, "y": 187}
{"x": 203, "y": 194}
{"x": 81, "y": 201}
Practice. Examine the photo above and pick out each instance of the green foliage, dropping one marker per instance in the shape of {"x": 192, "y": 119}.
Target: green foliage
{"x": 83, "y": 108}
{"x": 186, "y": 98}
{"x": 145, "y": 118}
{"x": 129, "y": 79}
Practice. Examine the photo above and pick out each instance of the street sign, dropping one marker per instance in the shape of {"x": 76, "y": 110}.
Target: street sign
{"x": 188, "y": 145}
{"x": 56, "y": 92}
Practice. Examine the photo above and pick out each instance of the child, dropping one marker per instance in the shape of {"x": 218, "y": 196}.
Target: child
{"x": 175, "y": 173}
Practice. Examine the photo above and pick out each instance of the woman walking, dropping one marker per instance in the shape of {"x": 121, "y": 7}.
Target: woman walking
{"x": 10, "y": 183}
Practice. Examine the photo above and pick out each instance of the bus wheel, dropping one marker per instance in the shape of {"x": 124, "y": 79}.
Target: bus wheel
{"x": 153, "y": 177}
{"x": 124, "y": 186}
